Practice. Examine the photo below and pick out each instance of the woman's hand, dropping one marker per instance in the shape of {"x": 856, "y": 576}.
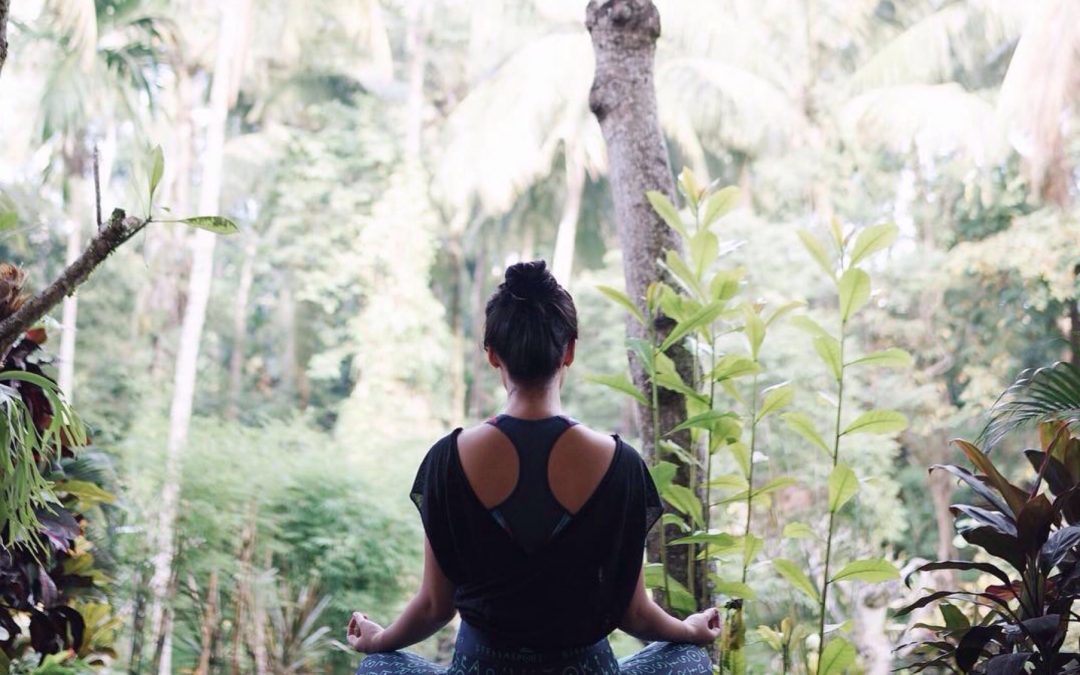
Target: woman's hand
{"x": 363, "y": 633}
{"x": 703, "y": 627}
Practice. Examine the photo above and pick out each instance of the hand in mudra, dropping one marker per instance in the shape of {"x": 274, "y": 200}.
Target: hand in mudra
{"x": 362, "y": 633}
{"x": 704, "y": 626}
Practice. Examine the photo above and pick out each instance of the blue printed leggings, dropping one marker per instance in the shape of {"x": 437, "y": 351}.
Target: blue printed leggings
{"x": 473, "y": 656}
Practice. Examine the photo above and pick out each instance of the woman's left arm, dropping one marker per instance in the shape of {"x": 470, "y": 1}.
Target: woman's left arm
{"x": 429, "y": 610}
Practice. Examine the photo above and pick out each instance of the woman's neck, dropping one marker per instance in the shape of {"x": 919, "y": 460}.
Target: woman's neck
{"x": 535, "y": 404}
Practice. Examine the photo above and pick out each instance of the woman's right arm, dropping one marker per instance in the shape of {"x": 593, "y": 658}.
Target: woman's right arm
{"x": 646, "y": 620}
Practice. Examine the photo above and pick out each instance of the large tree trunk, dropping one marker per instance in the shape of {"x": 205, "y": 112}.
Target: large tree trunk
{"x": 5, "y": 6}
{"x": 202, "y": 267}
{"x": 562, "y": 261}
{"x": 623, "y": 98}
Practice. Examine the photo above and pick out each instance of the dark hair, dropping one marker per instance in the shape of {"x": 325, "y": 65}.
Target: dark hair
{"x": 530, "y": 321}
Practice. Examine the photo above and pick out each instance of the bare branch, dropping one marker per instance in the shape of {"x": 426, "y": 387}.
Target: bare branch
{"x": 119, "y": 229}
{"x": 97, "y": 185}
{"x": 5, "y": 6}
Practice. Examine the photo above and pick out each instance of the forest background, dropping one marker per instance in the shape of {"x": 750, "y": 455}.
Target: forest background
{"x": 259, "y": 403}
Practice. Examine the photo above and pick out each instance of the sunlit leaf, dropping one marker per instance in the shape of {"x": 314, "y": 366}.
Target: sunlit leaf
{"x": 662, "y": 474}
{"x": 854, "y": 290}
{"x": 719, "y": 203}
{"x": 797, "y": 531}
{"x": 871, "y": 571}
{"x": 843, "y": 484}
{"x": 215, "y": 224}
{"x": 667, "y": 211}
{"x": 801, "y": 424}
{"x": 877, "y": 422}
{"x": 681, "y": 599}
{"x": 734, "y": 589}
{"x": 837, "y": 657}
{"x": 754, "y": 328}
{"x": 685, "y": 501}
{"x": 886, "y": 358}
{"x": 624, "y": 300}
{"x": 796, "y": 577}
{"x": 873, "y": 239}
{"x": 620, "y": 383}
{"x": 775, "y": 398}
{"x": 8, "y": 220}
{"x": 817, "y": 251}
{"x": 828, "y": 348}
{"x": 157, "y": 169}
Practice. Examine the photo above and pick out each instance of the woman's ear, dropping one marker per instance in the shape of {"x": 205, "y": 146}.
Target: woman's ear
{"x": 493, "y": 358}
{"x": 568, "y": 357}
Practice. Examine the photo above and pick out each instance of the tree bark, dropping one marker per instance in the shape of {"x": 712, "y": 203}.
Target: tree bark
{"x": 5, "y": 7}
{"x": 202, "y": 267}
{"x": 562, "y": 262}
{"x": 623, "y": 99}
{"x": 239, "y": 341}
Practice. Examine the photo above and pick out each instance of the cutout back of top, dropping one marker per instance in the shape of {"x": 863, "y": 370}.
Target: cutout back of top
{"x": 531, "y": 514}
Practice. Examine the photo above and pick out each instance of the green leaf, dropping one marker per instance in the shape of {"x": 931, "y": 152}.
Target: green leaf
{"x": 828, "y": 348}
{"x": 729, "y": 481}
{"x": 677, "y": 265}
{"x": 871, "y": 571}
{"x": 689, "y": 187}
{"x": 662, "y": 474}
{"x": 837, "y": 657}
{"x": 797, "y": 531}
{"x": 620, "y": 383}
{"x": 8, "y": 220}
{"x": 801, "y": 424}
{"x": 843, "y": 485}
{"x": 675, "y": 520}
{"x": 796, "y": 577}
{"x": 751, "y": 546}
{"x": 669, "y": 378}
{"x": 877, "y": 422}
{"x": 808, "y": 325}
{"x": 733, "y": 366}
{"x": 954, "y": 618}
{"x": 754, "y": 328}
{"x": 667, "y": 211}
{"x": 700, "y": 319}
{"x": 710, "y": 419}
{"x": 741, "y": 455}
{"x": 886, "y": 358}
{"x": 684, "y": 501}
{"x": 725, "y": 284}
{"x": 734, "y": 589}
{"x": 873, "y": 239}
{"x": 157, "y": 170}
{"x": 624, "y": 300}
{"x": 720, "y": 540}
{"x": 854, "y": 289}
{"x": 215, "y": 224}
{"x": 817, "y": 251}
{"x": 86, "y": 492}
{"x": 719, "y": 203}
{"x": 776, "y": 397}
{"x": 783, "y": 310}
{"x": 704, "y": 249}
{"x": 681, "y": 598}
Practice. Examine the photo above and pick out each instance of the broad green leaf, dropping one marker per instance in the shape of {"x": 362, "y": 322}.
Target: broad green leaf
{"x": 645, "y": 352}
{"x": 741, "y": 455}
{"x": 871, "y": 571}
{"x": 669, "y": 447}
{"x": 877, "y": 422}
{"x": 680, "y": 599}
{"x": 725, "y": 285}
{"x": 808, "y": 325}
{"x": 667, "y": 211}
{"x": 710, "y": 419}
{"x": 684, "y": 501}
{"x": 801, "y": 424}
{"x": 797, "y": 531}
{"x": 751, "y": 546}
{"x": 669, "y": 378}
{"x": 624, "y": 300}
{"x": 796, "y": 577}
{"x": 775, "y": 397}
{"x": 854, "y": 290}
{"x": 662, "y": 474}
{"x": 760, "y": 491}
{"x": 8, "y": 220}
{"x": 873, "y": 239}
{"x": 689, "y": 187}
{"x": 817, "y": 251}
{"x": 86, "y": 492}
{"x": 783, "y": 310}
{"x": 886, "y": 358}
{"x": 719, "y": 203}
{"x": 702, "y": 318}
{"x": 733, "y": 366}
{"x": 837, "y": 657}
{"x": 729, "y": 481}
{"x": 704, "y": 249}
{"x": 754, "y": 328}
{"x": 954, "y": 618}
{"x": 837, "y": 233}
{"x": 678, "y": 267}
{"x": 620, "y": 383}
{"x": 157, "y": 170}
{"x": 828, "y": 348}
{"x": 734, "y": 589}
{"x": 215, "y": 224}
{"x": 676, "y": 520}
{"x": 713, "y": 539}
{"x": 843, "y": 485}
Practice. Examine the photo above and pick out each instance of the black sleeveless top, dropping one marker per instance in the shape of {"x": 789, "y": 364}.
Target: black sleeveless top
{"x": 530, "y": 575}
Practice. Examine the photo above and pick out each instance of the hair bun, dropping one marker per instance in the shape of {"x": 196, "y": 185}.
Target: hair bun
{"x": 530, "y": 280}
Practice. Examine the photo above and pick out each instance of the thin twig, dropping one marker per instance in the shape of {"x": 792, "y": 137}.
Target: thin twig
{"x": 97, "y": 185}
{"x": 119, "y": 229}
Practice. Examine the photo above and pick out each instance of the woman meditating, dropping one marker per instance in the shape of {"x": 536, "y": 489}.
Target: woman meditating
{"x": 535, "y": 525}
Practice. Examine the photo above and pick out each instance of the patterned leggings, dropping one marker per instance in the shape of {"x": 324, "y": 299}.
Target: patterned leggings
{"x": 473, "y": 657}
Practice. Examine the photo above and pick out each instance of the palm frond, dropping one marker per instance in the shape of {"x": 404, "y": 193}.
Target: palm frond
{"x": 941, "y": 119}
{"x": 1038, "y": 395}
